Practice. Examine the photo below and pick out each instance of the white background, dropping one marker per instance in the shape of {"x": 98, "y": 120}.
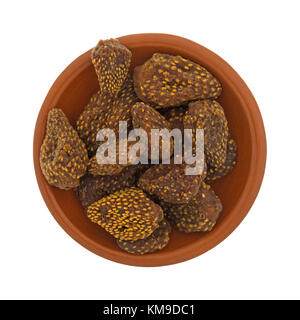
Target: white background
{"x": 260, "y": 39}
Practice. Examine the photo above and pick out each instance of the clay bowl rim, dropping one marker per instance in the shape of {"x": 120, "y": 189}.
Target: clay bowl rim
{"x": 244, "y": 203}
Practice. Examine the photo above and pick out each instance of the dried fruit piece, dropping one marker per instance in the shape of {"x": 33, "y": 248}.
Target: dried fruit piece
{"x": 165, "y": 80}
{"x": 111, "y": 61}
{"x": 127, "y": 214}
{"x": 227, "y": 166}
{"x": 209, "y": 116}
{"x": 169, "y": 182}
{"x": 147, "y": 118}
{"x": 63, "y": 156}
{"x": 200, "y": 214}
{"x": 103, "y": 112}
{"x": 156, "y": 241}
{"x": 93, "y": 188}
{"x": 90, "y": 189}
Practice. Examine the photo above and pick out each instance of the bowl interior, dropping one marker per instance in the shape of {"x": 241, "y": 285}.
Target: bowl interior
{"x": 74, "y": 94}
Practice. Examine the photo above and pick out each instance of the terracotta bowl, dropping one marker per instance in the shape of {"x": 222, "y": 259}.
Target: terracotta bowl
{"x": 238, "y": 190}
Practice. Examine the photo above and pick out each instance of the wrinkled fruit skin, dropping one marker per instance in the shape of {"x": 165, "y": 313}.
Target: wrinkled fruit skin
{"x": 103, "y": 112}
{"x": 200, "y": 214}
{"x": 111, "y": 61}
{"x": 156, "y": 241}
{"x": 175, "y": 117}
{"x": 127, "y": 214}
{"x": 93, "y": 188}
{"x": 165, "y": 80}
{"x": 227, "y": 166}
{"x": 63, "y": 156}
{"x": 100, "y": 100}
{"x": 209, "y": 116}
{"x": 96, "y": 168}
{"x": 147, "y": 118}
{"x": 169, "y": 183}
